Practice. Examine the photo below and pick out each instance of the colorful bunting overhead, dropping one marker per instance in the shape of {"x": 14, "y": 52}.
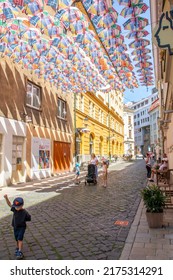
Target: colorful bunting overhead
{"x": 54, "y": 41}
{"x": 136, "y": 24}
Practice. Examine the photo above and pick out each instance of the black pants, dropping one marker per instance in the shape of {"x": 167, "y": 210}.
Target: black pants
{"x": 148, "y": 171}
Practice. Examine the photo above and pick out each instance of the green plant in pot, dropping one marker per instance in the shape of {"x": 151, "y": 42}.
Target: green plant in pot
{"x": 154, "y": 201}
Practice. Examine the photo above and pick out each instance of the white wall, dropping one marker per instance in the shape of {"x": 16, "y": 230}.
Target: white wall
{"x": 8, "y": 128}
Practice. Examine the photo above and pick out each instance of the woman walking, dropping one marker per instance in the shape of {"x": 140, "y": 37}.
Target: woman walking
{"x": 148, "y": 165}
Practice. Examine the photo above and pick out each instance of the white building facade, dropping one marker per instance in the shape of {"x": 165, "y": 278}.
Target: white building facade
{"x": 128, "y": 117}
{"x": 142, "y": 122}
{"x": 154, "y": 130}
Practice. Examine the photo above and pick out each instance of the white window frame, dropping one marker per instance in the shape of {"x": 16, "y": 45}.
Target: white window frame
{"x": 61, "y": 109}
{"x": 31, "y": 92}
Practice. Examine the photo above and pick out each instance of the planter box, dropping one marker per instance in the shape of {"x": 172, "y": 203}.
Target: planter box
{"x": 155, "y": 220}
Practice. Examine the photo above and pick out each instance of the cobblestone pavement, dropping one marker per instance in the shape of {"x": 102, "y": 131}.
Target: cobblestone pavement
{"x": 75, "y": 222}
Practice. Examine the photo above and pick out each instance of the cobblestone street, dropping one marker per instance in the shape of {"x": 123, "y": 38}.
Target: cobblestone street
{"x": 76, "y": 222}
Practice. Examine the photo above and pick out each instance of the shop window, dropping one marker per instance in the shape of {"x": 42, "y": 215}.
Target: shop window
{"x": 62, "y": 112}
{"x": 17, "y": 153}
{"x": 33, "y": 96}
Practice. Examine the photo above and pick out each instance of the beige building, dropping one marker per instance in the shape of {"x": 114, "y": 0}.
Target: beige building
{"x": 36, "y": 127}
{"x": 163, "y": 59}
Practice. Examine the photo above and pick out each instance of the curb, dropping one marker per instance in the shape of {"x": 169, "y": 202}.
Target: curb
{"x": 132, "y": 233}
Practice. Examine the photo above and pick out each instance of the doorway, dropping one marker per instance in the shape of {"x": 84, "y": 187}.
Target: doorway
{"x": 61, "y": 157}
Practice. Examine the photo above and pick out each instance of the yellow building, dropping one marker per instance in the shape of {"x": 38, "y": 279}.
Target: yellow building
{"x": 98, "y": 125}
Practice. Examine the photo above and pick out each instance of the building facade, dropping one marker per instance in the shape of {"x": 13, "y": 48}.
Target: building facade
{"x": 36, "y": 127}
{"x": 129, "y": 141}
{"x": 142, "y": 123}
{"x": 99, "y": 125}
{"x": 163, "y": 60}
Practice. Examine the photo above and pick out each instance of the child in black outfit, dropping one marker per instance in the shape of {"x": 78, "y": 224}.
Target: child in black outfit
{"x": 20, "y": 217}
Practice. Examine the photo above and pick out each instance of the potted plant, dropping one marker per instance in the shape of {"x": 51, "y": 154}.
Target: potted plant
{"x": 154, "y": 201}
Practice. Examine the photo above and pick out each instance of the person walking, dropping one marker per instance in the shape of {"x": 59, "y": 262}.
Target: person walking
{"x": 20, "y": 217}
{"x": 148, "y": 165}
{"x": 94, "y": 160}
{"x": 77, "y": 180}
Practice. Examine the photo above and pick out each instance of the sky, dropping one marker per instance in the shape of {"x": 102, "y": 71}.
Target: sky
{"x": 140, "y": 92}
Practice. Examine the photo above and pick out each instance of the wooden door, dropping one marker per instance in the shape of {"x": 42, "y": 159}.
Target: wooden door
{"x": 61, "y": 156}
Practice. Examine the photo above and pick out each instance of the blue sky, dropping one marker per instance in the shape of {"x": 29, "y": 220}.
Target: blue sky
{"x": 141, "y": 91}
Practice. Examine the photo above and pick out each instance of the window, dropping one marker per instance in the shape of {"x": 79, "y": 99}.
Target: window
{"x": 61, "y": 109}
{"x": 80, "y": 102}
{"x": 90, "y": 108}
{"x": 33, "y": 96}
{"x": 130, "y": 134}
{"x": 17, "y": 153}
{"x": 99, "y": 115}
{"x": 93, "y": 111}
{"x": 102, "y": 117}
{"x": 129, "y": 120}
{"x": 107, "y": 120}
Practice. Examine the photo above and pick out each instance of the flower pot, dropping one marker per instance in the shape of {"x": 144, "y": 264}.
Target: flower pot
{"x": 155, "y": 220}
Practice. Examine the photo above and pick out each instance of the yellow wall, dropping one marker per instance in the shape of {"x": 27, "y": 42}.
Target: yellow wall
{"x": 99, "y": 130}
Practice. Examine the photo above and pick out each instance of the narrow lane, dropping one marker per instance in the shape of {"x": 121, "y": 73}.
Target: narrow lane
{"x": 79, "y": 222}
